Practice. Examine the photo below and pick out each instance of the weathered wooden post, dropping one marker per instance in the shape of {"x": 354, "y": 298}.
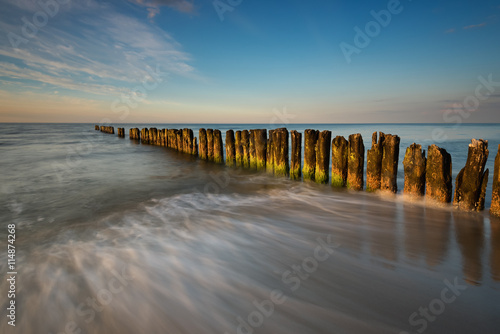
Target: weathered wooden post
{"x": 495, "y": 198}
{"x": 230, "y": 149}
{"x": 471, "y": 182}
{"x": 390, "y": 162}
{"x": 178, "y": 134}
{"x": 310, "y": 140}
{"x": 414, "y": 166}
{"x": 251, "y": 150}
{"x": 260, "y": 136}
{"x": 270, "y": 153}
{"x": 202, "y": 134}
{"x": 218, "y": 147}
{"x": 355, "y": 162}
{"x": 374, "y": 163}
{"x": 238, "y": 149}
{"x": 245, "y": 144}
{"x": 210, "y": 144}
{"x": 438, "y": 181}
{"x": 195, "y": 147}
{"x": 339, "y": 161}
{"x": 295, "y": 161}
{"x": 144, "y": 135}
{"x": 321, "y": 174}
{"x": 281, "y": 161}
{"x": 97, "y": 127}
{"x": 187, "y": 140}
{"x": 153, "y": 135}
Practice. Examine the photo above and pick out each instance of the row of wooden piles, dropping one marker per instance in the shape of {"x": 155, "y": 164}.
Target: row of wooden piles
{"x": 259, "y": 149}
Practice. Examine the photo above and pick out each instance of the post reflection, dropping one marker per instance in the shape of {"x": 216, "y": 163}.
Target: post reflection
{"x": 469, "y": 229}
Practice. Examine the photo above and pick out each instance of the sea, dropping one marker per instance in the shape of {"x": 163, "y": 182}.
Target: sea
{"x": 115, "y": 236}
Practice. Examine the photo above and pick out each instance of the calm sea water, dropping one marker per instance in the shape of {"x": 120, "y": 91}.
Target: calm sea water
{"x": 113, "y": 236}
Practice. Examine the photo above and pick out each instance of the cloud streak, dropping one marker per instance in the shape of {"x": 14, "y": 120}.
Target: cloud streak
{"x": 475, "y": 26}
{"x": 153, "y": 6}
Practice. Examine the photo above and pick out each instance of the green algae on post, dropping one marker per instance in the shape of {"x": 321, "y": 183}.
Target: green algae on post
{"x": 218, "y": 154}
{"x": 355, "y": 162}
{"x": 280, "y": 143}
{"x": 310, "y": 140}
{"x": 260, "y": 139}
{"x": 495, "y": 198}
{"x": 245, "y": 145}
{"x": 339, "y": 161}
{"x": 321, "y": 174}
{"x": 270, "y": 153}
{"x": 295, "y": 160}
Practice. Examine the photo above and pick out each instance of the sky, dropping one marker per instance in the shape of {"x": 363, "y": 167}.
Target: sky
{"x": 242, "y": 61}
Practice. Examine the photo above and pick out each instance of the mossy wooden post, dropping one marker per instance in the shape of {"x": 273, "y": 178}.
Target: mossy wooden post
{"x": 178, "y": 134}
{"x": 210, "y": 144}
{"x": 470, "y": 187}
{"x": 238, "y": 149}
{"x": 270, "y": 153}
{"x": 195, "y": 147}
{"x": 339, "y": 161}
{"x": 230, "y": 149}
{"x": 414, "y": 166}
{"x": 251, "y": 150}
{"x": 281, "y": 160}
{"x": 355, "y": 162}
{"x": 96, "y": 127}
{"x": 310, "y": 140}
{"x": 296, "y": 157}
{"x": 202, "y": 134}
{"x": 218, "y": 147}
{"x": 145, "y": 135}
{"x": 321, "y": 173}
{"x": 374, "y": 163}
{"x": 245, "y": 144}
{"x": 438, "y": 181}
{"x": 495, "y": 198}
{"x": 260, "y": 148}
{"x": 390, "y": 162}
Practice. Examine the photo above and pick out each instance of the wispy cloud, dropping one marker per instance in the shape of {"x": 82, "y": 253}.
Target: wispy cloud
{"x": 450, "y": 31}
{"x": 98, "y": 52}
{"x": 475, "y": 26}
{"x": 153, "y": 6}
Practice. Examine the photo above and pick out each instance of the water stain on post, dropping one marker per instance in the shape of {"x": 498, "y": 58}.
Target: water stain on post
{"x": 218, "y": 147}
{"x": 374, "y": 163}
{"x": 414, "y": 167}
{"x": 355, "y": 162}
{"x": 295, "y": 161}
{"x": 339, "y": 161}
{"x": 310, "y": 140}
{"x": 495, "y": 198}
{"x": 390, "y": 162}
{"x": 321, "y": 174}
{"x": 471, "y": 182}
{"x": 438, "y": 181}
{"x": 230, "y": 149}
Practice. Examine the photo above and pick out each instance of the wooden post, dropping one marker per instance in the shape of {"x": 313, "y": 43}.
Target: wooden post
{"x": 295, "y": 163}
{"x": 260, "y": 148}
{"x": 178, "y": 134}
{"x": 97, "y": 127}
{"x": 152, "y": 135}
{"x": 374, "y": 163}
{"x": 195, "y": 147}
{"x": 203, "y": 144}
{"x": 245, "y": 144}
{"x": 230, "y": 149}
{"x": 414, "y": 166}
{"x": 438, "y": 182}
{"x": 281, "y": 161}
{"x": 251, "y": 150}
{"x": 339, "y": 161}
{"x": 238, "y": 149}
{"x": 390, "y": 162}
{"x": 270, "y": 153}
{"x": 145, "y": 135}
{"x": 470, "y": 187}
{"x": 218, "y": 147}
{"x": 321, "y": 174}
{"x": 355, "y": 162}
{"x": 495, "y": 198}
{"x": 210, "y": 144}
{"x": 310, "y": 140}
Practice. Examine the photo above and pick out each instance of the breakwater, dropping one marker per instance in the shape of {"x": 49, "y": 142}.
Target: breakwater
{"x": 279, "y": 152}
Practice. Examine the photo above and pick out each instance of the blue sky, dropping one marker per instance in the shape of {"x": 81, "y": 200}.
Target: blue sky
{"x": 231, "y": 61}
